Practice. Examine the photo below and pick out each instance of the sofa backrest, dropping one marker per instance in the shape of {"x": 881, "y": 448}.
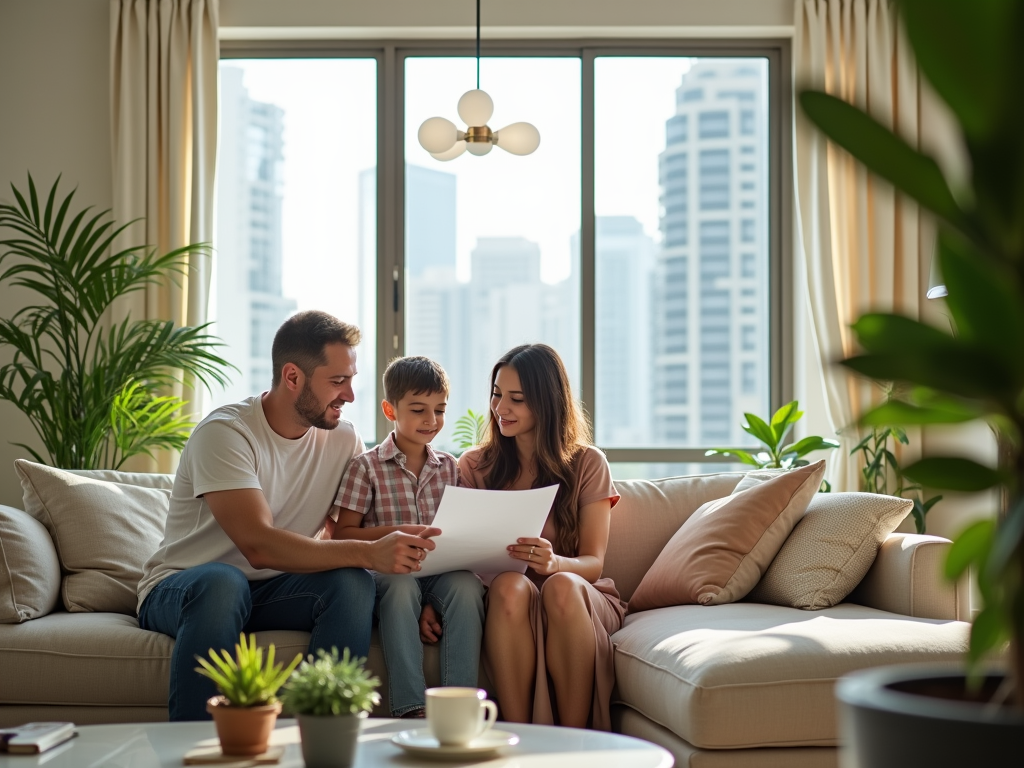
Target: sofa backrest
{"x": 647, "y": 516}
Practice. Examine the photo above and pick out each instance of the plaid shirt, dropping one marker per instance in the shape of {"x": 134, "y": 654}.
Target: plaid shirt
{"x": 377, "y": 485}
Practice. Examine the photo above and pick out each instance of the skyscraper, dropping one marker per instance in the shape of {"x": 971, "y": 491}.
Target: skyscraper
{"x": 710, "y": 348}
{"x": 623, "y": 269}
{"x": 250, "y": 303}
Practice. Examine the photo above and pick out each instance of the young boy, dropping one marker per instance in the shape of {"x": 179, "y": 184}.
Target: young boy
{"x": 397, "y": 487}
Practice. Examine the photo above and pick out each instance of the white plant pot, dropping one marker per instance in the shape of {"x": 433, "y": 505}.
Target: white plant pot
{"x": 330, "y": 742}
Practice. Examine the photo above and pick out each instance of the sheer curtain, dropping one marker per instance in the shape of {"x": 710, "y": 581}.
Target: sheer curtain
{"x": 164, "y": 58}
{"x": 859, "y": 244}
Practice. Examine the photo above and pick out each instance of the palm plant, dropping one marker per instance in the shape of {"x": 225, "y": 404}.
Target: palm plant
{"x": 470, "y": 429}
{"x": 94, "y": 391}
{"x": 978, "y": 371}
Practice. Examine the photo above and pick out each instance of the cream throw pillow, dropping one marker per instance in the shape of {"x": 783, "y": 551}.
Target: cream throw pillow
{"x": 103, "y": 531}
{"x": 723, "y": 549}
{"x": 830, "y": 550}
{"x": 29, "y": 571}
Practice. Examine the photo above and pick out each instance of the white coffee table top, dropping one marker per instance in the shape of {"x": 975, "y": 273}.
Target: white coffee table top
{"x": 162, "y": 745}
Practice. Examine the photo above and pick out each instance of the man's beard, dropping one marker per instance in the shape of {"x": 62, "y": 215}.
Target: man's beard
{"x": 311, "y": 410}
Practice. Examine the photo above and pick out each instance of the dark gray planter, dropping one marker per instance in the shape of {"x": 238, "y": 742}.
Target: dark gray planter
{"x": 330, "y": 742}
{"x": 905, "y": 715}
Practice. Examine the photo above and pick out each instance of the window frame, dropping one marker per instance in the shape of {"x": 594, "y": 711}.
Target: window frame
{"x": 391, "y": 55}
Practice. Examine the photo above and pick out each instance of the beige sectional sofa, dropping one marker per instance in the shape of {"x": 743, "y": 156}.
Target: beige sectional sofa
{"x": 742, "y": 684}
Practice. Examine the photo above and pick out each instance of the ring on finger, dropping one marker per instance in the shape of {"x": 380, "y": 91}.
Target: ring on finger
{"x": 531, "y": 551}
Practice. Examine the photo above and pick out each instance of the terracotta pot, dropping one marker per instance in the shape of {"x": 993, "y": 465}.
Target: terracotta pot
{"x": 330, "y": 742}
{"x": 243, "y": 731}
{"x": 910, "y": 714}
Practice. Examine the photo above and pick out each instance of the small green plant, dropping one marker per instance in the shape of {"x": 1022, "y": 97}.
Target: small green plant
{"x": 470, "y": 429}
{"x": 245, "y": 680}
{"x": 882, "y": 472}
{"x": 777, "y": 454}
{"x": 331, "y": 686}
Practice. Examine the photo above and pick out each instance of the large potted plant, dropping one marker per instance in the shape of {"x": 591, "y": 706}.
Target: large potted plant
{"x": 94, "y": 391}
{"x": 331, "y": 697}
{"x": 972, "y": 55}
{"x": 247, "y": 708}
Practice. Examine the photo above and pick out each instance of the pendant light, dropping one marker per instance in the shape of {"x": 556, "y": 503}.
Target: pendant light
{"x": 444, "y": 141}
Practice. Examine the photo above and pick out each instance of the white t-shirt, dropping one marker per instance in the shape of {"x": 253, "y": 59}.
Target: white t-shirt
{"x": 232, "y": 448}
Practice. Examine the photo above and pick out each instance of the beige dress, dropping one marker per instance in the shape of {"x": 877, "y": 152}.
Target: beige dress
{"x": 606, "y": 609}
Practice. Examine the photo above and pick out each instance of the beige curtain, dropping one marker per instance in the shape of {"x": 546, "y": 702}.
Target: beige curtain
{"x": 164, "y": 57}
{"x": 861, "y": 245}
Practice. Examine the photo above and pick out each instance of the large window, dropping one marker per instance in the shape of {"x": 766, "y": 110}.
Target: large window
{"x": 642, "y": 239}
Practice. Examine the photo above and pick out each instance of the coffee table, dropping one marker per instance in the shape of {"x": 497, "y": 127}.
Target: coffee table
{"x": 162, "y": 745}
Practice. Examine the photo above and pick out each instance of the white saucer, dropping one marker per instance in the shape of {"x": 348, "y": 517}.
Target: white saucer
{"x": 421, "y": 742}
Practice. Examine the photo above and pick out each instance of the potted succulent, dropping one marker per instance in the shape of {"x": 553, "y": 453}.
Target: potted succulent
{"x": 777, "y": 453}
{"x": 247, "y": 709}
{"x": 331, "y": 697}
{"x": 975, "y": 370}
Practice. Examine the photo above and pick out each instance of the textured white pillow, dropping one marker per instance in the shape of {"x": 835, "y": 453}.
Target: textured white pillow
{"x": 830, "y": 550}
{"x": 29, "y": 571}
{"x": 103, "y": 531}
{"x": 756, "y": 477}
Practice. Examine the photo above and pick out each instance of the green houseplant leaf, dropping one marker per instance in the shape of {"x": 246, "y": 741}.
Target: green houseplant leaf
{"x": 96, "y": 394}
{"x": 246, "y": 680}
{"x": 330, "y": 686}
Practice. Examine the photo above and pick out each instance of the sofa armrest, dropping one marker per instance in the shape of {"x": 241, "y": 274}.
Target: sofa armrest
{"x": 907, "y": 578}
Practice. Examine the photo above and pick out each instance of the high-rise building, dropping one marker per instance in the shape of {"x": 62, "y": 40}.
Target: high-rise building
{"x": 710, "y": 343}
{"x": 622, "y": 274}
{"x": 250, "y": 303}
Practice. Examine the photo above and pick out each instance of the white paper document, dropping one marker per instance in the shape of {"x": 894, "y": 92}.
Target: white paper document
{"x": 477, "y": 526}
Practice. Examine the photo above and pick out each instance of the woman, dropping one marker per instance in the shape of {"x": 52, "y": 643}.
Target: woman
{"x": 556, "y": 620}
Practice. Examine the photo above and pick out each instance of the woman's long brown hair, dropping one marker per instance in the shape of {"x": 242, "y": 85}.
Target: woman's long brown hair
{"x": 562, "y": 433}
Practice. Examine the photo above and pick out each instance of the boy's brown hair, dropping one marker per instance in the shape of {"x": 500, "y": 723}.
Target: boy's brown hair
{"x": 413, "y": 374}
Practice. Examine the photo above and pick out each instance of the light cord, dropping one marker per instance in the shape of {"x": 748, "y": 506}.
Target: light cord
{"x": 478, "y": 45}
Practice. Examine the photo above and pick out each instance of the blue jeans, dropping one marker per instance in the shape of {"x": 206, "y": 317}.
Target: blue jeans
{"x": 210, "y": 605}
{"x": 458, "y": 599}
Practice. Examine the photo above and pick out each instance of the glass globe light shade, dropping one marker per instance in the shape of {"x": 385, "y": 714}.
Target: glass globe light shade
{"x": 437, "y": 134}
{"x": 479, "y": 148}
{"x": 451, "y": 154}
{"x": 518, "y": 138}
{"x": 476, "y": 108}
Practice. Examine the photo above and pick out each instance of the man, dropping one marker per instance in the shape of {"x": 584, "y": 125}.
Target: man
{"x": 241, "y": 549}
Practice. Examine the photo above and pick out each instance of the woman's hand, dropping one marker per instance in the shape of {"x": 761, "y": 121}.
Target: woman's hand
{"x": 430, "y": 625}
{"x": 537, "y": 554}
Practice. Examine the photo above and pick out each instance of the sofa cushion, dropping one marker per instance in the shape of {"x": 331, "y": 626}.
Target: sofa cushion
{"x": 830, "y": 550}
{"x": 104, "y": 659}
{"x": 29, "y": 571}
{"x": 649, "y": 512}
{"x": 723, "y": 550}
{"x": 749, "y": 675}
{"x": 103, "y": 531}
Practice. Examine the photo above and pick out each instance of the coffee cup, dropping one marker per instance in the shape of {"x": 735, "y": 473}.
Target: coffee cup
{"x": 456, "y": 716}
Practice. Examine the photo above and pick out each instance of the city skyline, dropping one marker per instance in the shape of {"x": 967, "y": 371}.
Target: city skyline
{"x": 648, "y": 393}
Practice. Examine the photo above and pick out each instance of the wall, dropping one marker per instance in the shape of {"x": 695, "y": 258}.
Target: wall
{"x": 54, "y": 119}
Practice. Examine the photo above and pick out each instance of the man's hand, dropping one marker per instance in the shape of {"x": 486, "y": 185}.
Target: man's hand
{"x": 402, "y": 552}
{"x": 430, "y": 625}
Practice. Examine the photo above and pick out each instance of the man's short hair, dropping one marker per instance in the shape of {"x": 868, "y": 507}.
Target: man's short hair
{"x": 413, "y": 374}
{"x": 301, "y": 340}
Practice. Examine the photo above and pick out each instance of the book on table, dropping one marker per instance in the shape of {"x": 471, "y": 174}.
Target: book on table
{"x": 33, "y": 738}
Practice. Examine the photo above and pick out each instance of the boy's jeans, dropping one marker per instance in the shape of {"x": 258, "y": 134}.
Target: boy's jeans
{"x": 458, "y": 599}
{"x": 209, "y": 605}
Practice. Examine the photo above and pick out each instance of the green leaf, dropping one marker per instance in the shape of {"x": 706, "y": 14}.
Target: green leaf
{"x": 984, "y": 300}
{"x": 897, "y": 412}
{"x": 737, "y": 453}
{"x": 809, "y": 444}
{"x": 974, "y": 82}
{"x": 784, "y": 418}
{"x": 757, "y": 427}
{"x": 970, "y": 547}
{"x": 954, "y": 474}
{"x": 883, "y": 153}
{"x": 1006, "y": 543}
{"x": 988, "y": 631}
